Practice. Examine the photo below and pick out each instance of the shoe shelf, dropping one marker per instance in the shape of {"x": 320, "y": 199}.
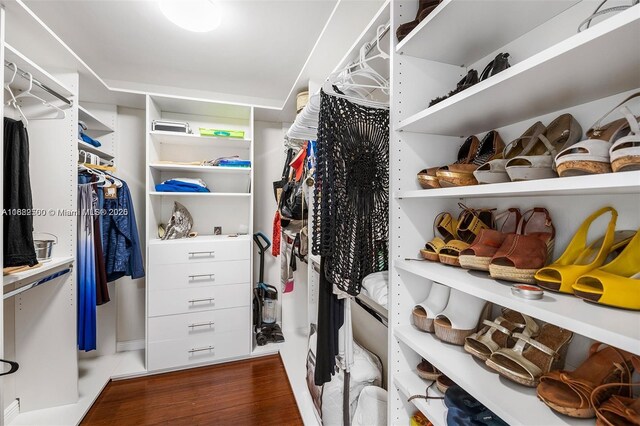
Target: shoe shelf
{"x": 409, "y": 384}
{"x": 615, "y": 327}
{"x": 602, "y": 184}
{"x": 515, "y": 404}
{"x": 455, "y": 47}
{"x": 197, "y": 140}
{"x": 93, "y": 122}
{"x": 198, "y": 169}
{"x": 510, "y": 97}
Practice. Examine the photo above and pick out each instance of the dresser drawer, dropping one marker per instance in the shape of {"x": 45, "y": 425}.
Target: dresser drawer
{"x": 194, "y": 251}
{"x": 189, "y": 275}
{"x": 182, "y": 301}
{"x": 207, "y": 323}
{"x": 197, "y": 349}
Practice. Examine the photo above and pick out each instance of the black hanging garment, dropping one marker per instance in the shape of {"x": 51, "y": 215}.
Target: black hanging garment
{"x": 351, "y": 200}
{"x": 18, "y": 225}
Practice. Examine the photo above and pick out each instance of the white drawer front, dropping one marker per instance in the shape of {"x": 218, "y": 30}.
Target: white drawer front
{"x": 197, "y": 349}
{"x": 198, "y": 251}
{"x": 182, "y": 301}
{"x": 165, "y": 277}
{"x": 206, "y": 324}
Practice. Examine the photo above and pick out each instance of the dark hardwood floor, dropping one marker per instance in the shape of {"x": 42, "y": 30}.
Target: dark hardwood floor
{"x": 252, "y": 392}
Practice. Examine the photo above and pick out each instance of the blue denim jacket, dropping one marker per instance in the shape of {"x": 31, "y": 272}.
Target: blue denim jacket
{"x": 120, "y": 237}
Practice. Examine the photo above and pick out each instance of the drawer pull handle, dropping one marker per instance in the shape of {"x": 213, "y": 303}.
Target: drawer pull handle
{"x": 202, "y": 253}
{"x": 207, "y": 348}
{"x": 209, "y": 300}
{"x": 212, "y": 277}
{"x": 202, "y": 324}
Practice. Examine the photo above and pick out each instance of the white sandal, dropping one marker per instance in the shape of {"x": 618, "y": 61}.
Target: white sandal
{"x": 461, "y": 318}
{"x": 592, "y": 156}
{"x": 538, "y": 163}
{"x": 494, "y": 171}
{"x": 625, "y": 152}
{"x": 424, "y": 313}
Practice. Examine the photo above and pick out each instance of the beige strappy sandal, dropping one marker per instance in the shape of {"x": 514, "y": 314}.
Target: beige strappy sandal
{"x": 530, "y": 358}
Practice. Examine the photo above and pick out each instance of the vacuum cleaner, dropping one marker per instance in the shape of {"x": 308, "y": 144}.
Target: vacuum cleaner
{"x": 265, "y": 301}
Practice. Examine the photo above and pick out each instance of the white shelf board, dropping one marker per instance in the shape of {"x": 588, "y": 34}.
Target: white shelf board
{"x": 175, "y": 138}
{"x": 92, "y": 122}
{"x": 199, "y": 169}
{"x": 56, "y": 263}
{"x": 602, "y": 184}
{"x": 616, "y": 327}
{"x": 455, "y": 47}
{"x": 200, "y": 238}
{"x": 513, "y": 403}
{"x": 409, "y": 384}
{"x": 82, "y": 145}
{"x": 199, "y": 194}
{"x": 25, "y": 64}
{"x": 555, "y": 70}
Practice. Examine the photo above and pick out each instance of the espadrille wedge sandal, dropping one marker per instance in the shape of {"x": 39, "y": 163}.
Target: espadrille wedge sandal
{"x": 461, "y": 317}
{"x": 592, "y": 156}
{"x": 470, "y": 222}
{"x": 625, "y": 152}
{"x": 490, "y": 147}
{"x": 424, "y": 313}
{"x": 618, "y": 409}
{"x": 523, "y": 253}
{"x": 569, "y": 392}
{"x": 479, "y": 254}
{"x": 530, "y": 358}
{"x": 582, "y": 256}
{"x": 497, "y": 334}
{"x": 445, "y": 226}
{"x": 427, "y": 371}
{"x": 443, "y": 383}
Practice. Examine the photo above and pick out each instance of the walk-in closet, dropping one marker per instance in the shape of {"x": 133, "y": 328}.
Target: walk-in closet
{"x": 320, "y": 212}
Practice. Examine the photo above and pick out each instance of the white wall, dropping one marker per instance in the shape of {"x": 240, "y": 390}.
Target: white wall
{"x": 269, "y": 156}
{"x": 130, "y": 160}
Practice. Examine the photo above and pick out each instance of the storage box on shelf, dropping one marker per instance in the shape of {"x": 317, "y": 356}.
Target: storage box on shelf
{"x": 549, "y": 76}
{"x": 199, "y": 288}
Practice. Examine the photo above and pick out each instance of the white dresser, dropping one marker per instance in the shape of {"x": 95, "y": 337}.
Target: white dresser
{"x": 199, "y": 301}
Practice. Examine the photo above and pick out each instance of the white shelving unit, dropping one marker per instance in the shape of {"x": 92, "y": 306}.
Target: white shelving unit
{"x": 100, "y": 152}
{"x": 53, "y": 265}
{"x": 197, "y": 140}
{"x": 197, "y": 194}
{"x": 551, "y": 73}
{"x": 93, "y": 123}
{"x": 409, "y": 384}
{"x": 198, "y": 169}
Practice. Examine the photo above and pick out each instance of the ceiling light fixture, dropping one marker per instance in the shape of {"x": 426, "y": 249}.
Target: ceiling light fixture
{"x": 199, "y": 16}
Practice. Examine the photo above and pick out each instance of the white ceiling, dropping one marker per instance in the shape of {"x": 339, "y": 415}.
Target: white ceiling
{"x": 257, "y": 52}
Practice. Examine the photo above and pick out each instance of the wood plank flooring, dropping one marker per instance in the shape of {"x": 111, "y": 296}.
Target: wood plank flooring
{"x": 251, "y": 392}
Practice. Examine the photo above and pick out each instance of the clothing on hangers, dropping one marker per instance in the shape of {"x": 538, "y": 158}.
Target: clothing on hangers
{"x": 120, "y": 237}
{"x": 86, "y": 270}
{"x": 18, "y": 228}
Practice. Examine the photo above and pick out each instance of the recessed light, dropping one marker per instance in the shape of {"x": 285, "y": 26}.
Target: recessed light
{"x": 199, "y": 16}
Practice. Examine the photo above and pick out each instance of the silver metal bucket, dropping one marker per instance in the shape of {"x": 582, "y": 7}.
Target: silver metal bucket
{"x": 44, "y": 247}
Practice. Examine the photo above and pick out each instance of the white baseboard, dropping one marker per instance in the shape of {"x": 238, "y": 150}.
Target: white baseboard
{"x": 130, "y": 345}
{"x": 12, "y": 411}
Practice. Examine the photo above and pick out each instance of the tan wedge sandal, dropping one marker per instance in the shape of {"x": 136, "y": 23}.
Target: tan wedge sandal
{"x": 497, "y": 334}
{"x": 569, "y": 392}
{"x": 530, "y": 358}
{"x": 427, "y": 371}
{"x": 470, "y": 222}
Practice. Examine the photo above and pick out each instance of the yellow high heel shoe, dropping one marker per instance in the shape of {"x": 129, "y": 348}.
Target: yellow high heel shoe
{"x": 617, "y": 283}
{"x": 580, "y": 257}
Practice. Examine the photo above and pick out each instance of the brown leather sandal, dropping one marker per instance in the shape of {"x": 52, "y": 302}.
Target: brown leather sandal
{"x": 522, "y": 254}
{"x": 428, "y": 177}
{"x": 570, "y": 392}
{"x": 479, "y": 254}
{"x": 618, "y": 409}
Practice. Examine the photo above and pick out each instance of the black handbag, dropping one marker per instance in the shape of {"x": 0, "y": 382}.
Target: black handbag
{"x": 293, "y": 205}
{"x": 279, "y": 184}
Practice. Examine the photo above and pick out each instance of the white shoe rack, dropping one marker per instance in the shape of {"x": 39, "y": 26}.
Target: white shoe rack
{"x": 553, "y": 70}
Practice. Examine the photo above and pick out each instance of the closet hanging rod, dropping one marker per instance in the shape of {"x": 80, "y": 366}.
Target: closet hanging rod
{"x": 36, "y": 283}
{"x": 372, "y": 44}
{"x": 44, "y": 87}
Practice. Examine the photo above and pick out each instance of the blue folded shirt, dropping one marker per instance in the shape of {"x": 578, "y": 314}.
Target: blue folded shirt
{"x": 88, "y": 139}
{"x": 179, "y": 186}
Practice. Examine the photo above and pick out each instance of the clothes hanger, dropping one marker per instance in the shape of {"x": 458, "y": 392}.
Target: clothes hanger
{"x": 13, "y": 102}
{"x": 61, "y": 114}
